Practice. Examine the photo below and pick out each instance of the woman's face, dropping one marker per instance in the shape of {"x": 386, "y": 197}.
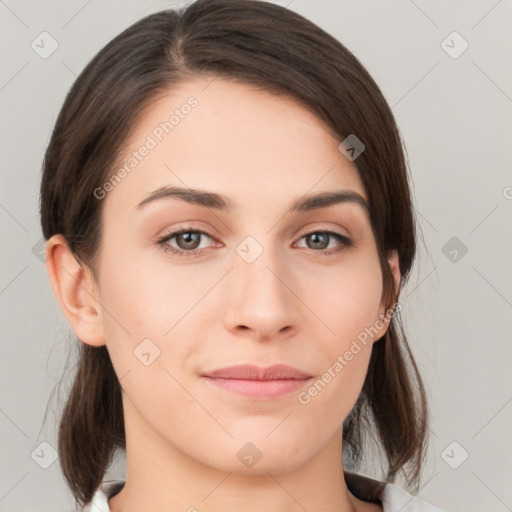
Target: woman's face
{"x": 264, "y": 286}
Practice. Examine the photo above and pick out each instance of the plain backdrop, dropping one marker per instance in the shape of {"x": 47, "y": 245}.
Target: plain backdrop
{"x": 445, "y": 69}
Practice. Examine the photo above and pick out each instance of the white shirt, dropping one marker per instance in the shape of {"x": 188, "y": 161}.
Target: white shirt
{"x": 392, "y": 497}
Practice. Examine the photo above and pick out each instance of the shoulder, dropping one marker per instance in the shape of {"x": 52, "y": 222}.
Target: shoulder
{"x": 392, "y": 497}
{"x": 106, "y": 490}
{"x": 396, "y": 499}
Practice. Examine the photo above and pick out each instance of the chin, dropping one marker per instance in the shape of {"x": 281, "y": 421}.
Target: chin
{"x": 258, "y": 455}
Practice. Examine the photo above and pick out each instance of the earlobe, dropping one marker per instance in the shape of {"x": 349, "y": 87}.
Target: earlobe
{"x": 75, "y": 290}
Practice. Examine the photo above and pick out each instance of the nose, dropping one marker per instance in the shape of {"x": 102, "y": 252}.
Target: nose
{"x": 261, "y": 301}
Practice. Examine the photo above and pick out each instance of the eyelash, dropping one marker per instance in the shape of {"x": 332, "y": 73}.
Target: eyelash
{"x": 162, "y": 242}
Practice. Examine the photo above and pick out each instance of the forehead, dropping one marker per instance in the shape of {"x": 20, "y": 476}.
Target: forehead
{"x": 233, "y": 139}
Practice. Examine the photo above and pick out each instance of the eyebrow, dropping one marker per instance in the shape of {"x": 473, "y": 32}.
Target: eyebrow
{"x": 220, "y": 202}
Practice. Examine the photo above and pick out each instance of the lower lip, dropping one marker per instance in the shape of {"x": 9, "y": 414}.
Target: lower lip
{"x": 260, "y": 389}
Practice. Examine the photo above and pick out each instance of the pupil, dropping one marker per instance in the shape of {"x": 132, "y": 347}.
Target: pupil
{"x": 316, "y": 236}
{"x": 190, "y": 239}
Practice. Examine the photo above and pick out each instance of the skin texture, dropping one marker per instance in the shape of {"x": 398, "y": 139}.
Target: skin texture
{"x": 293, "y": 304}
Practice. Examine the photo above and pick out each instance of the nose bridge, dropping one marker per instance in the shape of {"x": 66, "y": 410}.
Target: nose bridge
{"x": 260, "y": 298}
{"x": 258, "y": 267}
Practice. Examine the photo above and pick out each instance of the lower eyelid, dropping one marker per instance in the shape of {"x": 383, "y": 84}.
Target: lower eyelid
{"x": 164, "y": 241}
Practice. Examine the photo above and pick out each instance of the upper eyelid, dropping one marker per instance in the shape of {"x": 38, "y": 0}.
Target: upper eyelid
{"x": 175, "y": 232}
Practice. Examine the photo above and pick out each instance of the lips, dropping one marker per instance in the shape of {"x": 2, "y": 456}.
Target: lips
{"x": 277, "y": 381}
{"x": 252, "y": 372}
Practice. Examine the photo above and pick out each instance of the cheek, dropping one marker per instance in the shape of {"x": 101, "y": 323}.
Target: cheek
{"x": 349, "y": 309}
{"x": 346, "y": 298}
{"x": 145, "y": 299}
{"x": 150, "y": 313}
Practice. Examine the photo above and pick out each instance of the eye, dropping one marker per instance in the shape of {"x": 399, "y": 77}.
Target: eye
{"x": 319, "y": 241}
{"x": 188, "y": 241}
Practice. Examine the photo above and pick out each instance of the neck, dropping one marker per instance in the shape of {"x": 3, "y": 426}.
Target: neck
{"x": 161, "y": 477}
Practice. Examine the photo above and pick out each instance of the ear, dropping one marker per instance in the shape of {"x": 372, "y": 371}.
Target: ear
{"x": 75, "y": 290}
{"x": 387, "y": 314}
{"x": 394, "y": 265}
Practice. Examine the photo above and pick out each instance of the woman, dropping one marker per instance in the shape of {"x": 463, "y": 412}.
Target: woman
{"x": 229, "y": 224}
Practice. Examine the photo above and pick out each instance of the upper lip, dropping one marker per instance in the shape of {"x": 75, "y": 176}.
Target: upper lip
{"x": 252, "y": 372}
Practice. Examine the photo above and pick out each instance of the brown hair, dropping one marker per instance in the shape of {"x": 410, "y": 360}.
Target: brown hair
{"x": 257, "y": 43}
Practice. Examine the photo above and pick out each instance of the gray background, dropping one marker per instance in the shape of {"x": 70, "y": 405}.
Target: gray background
{"x": 454, "y": 113}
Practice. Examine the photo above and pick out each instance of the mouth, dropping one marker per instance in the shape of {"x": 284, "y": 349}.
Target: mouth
{"x": 259, "y": 383}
